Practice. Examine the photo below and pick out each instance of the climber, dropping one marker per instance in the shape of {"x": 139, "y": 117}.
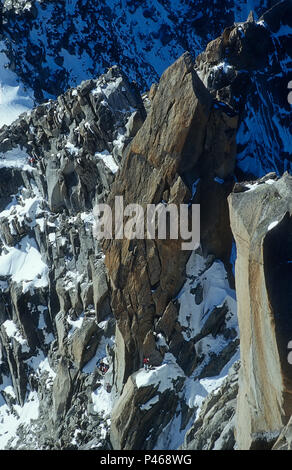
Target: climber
{"x": 32, "y": 161}
{"x": 146, "y": 363}
{"x": 103, "y": 367}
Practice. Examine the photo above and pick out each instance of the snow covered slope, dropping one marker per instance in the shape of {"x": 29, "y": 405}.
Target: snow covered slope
{"x": 14, "y": 97}
{"x": 57, "y": 44}
{"x": 265, "y": 132}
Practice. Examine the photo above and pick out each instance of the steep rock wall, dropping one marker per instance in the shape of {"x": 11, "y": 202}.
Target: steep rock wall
{"x": 260, "y": 220}
{"x": 174, "y": 149}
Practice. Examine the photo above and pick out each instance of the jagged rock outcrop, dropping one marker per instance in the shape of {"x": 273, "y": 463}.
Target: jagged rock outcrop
{"x": 214, "y": 427}
{"x": 164, "y": 159}
{"x": 261, "y": 223}
{"x": 133, "y": 415}
{"x": 234, "y": 67}
{"x": 70, "y": 137}
{"x": 56, "y": 162}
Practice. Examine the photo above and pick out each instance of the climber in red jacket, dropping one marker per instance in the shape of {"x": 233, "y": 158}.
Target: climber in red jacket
{"x": 146, "y": 363}
{"x": 103, "y": 367}
{"x": 32, "y": 161}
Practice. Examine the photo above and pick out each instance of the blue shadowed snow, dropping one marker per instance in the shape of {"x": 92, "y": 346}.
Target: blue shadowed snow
{"x": 218, "y": 180}
{"x": 264, "y": 137}
{"x": 194, "y": 187}
{"x": 78, "y": 39}
{"x": 233, "y": 256}
{"x": 14, "y": 99}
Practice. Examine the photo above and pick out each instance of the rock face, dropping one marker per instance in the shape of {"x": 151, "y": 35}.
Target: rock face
{"x": 261, "y": 224}
{"x": 174, "y": 149}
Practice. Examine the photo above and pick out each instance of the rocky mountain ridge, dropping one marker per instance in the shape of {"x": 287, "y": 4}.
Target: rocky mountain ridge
{"x": 68, "y": 301}
{"x": 46, "y": 232}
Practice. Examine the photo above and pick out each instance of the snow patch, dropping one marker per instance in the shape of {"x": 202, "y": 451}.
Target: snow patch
{"x": 108, "y": 160}
{"x": 24, "y": 265}
{"x": 102, "y": 402}
{"x": 13, "y": 332}
{"x": 163, "y": 376}
{"x": 20, "y": 416}
{"x": 215, "y": 290}
{"x": 14, "y": 98}
{"x": 75, "y": 324}
{"x": 148, "y": 405}
{"x": 272, "y": 225}
{"x": 15, "y": 158}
